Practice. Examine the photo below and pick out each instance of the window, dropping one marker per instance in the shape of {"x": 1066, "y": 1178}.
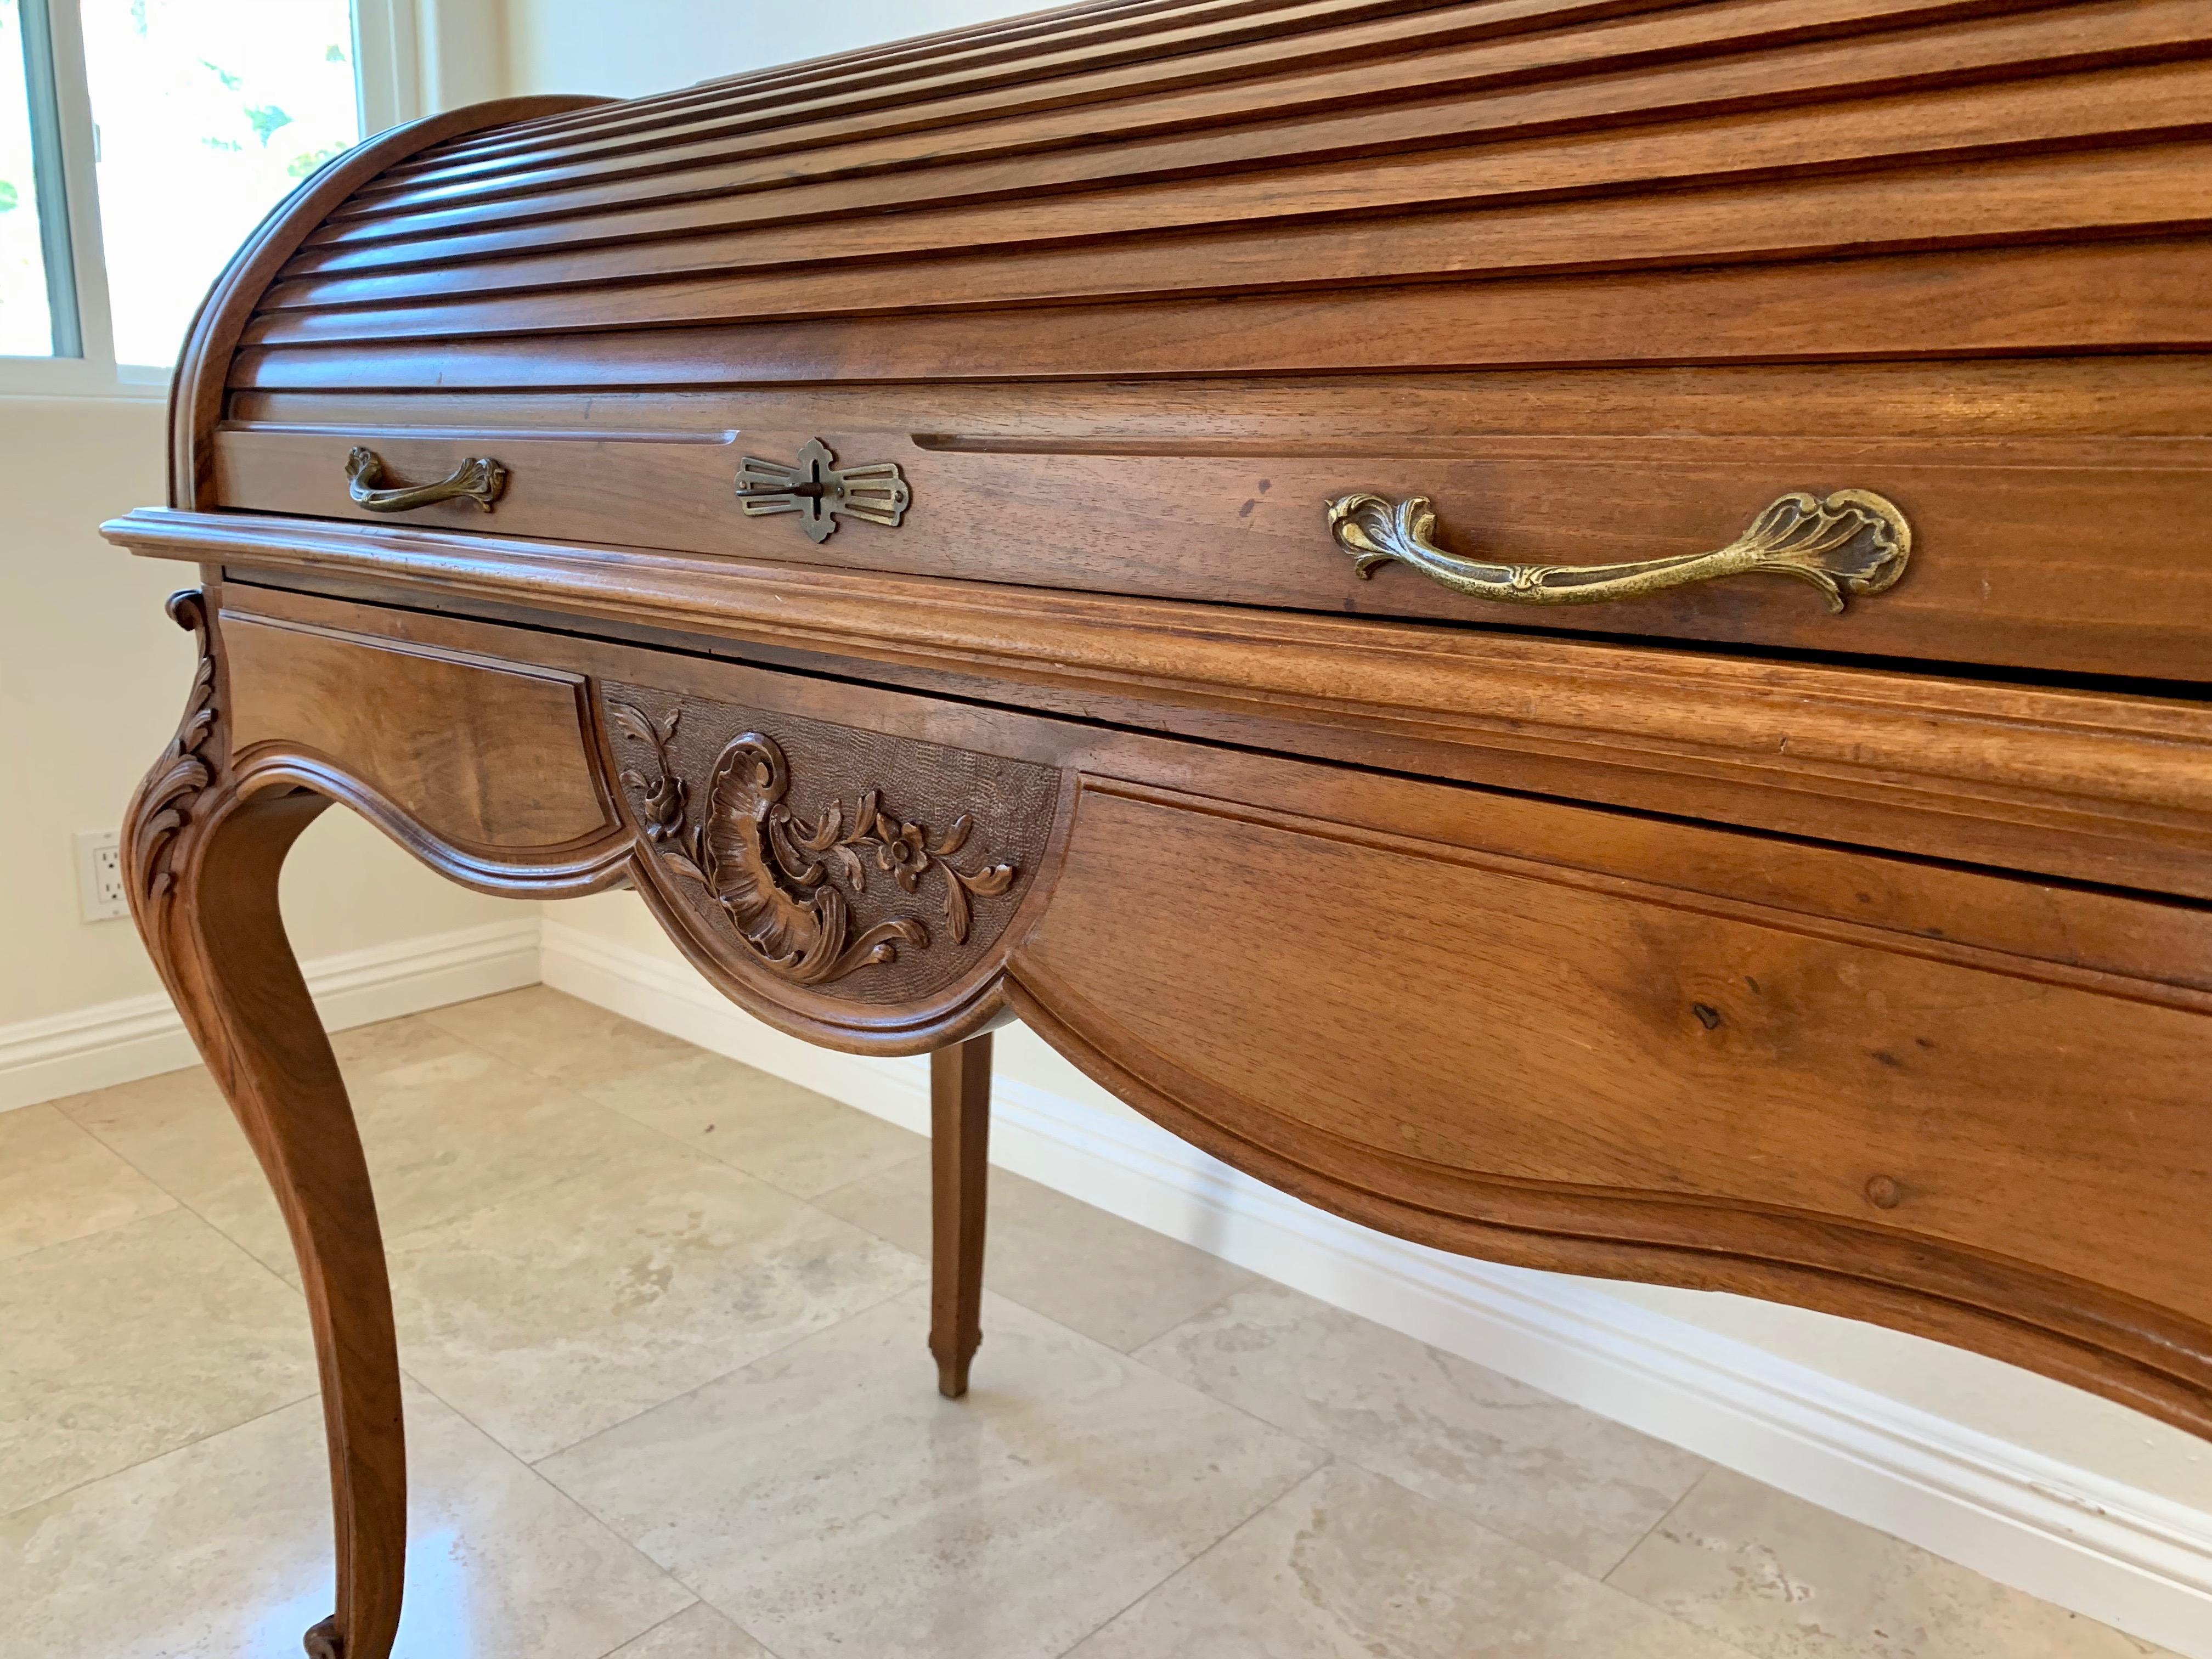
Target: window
{"x": 35, "y": 320}
{"x": 141, "y": 141}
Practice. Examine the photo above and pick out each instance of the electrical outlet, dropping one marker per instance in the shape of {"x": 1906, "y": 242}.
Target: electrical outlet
{"x": 99, "y": 875}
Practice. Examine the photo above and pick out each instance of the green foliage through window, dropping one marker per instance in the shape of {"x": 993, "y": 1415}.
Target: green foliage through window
{"x": 210, "y": 112}
{"x": 303, "y": 165}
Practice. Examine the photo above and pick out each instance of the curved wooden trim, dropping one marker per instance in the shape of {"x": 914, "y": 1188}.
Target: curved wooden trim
{"x": 2086, "y": 785}
{"x": 974, "y": 1003}
{"x": 590, "y": 866}
{"x": 196, "y": 394}
{"x": 976, "y": 1006}
{"x": 2094, "y": 1338}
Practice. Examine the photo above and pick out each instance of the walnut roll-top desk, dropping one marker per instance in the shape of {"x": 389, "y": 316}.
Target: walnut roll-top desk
{"x": 1579, "y": 629}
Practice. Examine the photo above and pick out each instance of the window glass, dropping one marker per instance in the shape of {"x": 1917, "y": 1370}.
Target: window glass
{"x": 25, "y": 324}
{"x": 209, "y": 113}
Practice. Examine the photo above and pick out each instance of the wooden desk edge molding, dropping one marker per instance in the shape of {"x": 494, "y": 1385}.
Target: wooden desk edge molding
{"x": 1703, "y": 775}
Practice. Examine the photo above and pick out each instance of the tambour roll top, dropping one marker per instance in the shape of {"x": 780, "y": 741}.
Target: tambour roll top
{"x": 1127, "y": 294}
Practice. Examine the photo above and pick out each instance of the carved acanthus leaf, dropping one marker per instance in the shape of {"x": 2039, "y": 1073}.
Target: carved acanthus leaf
{"x": 780, "y": 879}
{"x": 165, "y": 802}
{"x": 666, "y": 807}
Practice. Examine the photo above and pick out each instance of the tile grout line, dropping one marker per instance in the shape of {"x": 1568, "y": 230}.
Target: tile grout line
{"x": 181, "y": 1203}
{"x": 406, "y": 1373}
{"x": 1327, "y": 1456}
{"x": 1207, "y": 1311}
{"x": 177, "y": 1198}
{"x": 1129, "y": 1352}
{"x": 175, "y": 1204}
{"x": 532, "y": 1463}
{"x": 1355, "y": 1462}
{"x": 1328, "y": 1460}
{"x": 628, "y": 1641}
{"x": 883, "y": 1174}
{"x": 758, "y": 1358}
{"x": 724, "y": 1378}
{"x": 1651, "y": 1531}
{"x": 561, "y": 1492}
{"x": 411, "y": 1375}
{"x": 589, "y": 1099}
{"x": 182, "y": 1446}
{"x": 54, "y": 1106}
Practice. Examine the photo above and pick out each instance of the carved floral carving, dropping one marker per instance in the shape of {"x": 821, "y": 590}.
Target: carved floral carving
{"x": 787, "y": 882}
{"x": 165, "y": 801}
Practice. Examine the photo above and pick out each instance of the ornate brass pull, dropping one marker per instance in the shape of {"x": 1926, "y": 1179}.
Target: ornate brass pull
{"x": 1854, "y": 542}
{"x": 813, "y": 488}
{"x": 478, "y": 479}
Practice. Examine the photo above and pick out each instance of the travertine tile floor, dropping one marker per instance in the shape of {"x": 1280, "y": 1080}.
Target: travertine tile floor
{"x": 663, "y": 1322}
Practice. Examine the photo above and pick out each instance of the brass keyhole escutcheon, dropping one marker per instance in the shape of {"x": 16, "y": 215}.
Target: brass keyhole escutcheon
{"x": 820, "y": 493}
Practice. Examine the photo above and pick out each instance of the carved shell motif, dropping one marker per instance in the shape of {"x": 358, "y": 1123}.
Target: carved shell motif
{"x": 776, "y": 876}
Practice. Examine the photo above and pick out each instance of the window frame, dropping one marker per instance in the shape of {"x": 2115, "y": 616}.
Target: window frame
{"x": 385, "y": 88}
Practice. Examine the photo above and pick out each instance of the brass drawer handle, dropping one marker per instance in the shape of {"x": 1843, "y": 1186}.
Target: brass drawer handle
{"x": 1854, "y": 542}
{"x": 478, "y": 479}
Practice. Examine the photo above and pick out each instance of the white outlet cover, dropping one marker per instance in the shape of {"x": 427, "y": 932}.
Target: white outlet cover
{"x": 100, "y": 891}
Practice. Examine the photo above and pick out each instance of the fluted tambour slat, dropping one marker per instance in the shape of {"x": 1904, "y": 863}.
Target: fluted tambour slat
{"x": 934, "y": 92}
{"x": 1273, "y": 81}
{"x": 695, "y": 201}
{"x": 1553, "y": 205}
{"x": 861, "y": 80}
{"x": 2016, "y": 300}
{"x": 1579, "y": 171}
{"x": 986, "y": 43}
{"x": 1762, "y": 222}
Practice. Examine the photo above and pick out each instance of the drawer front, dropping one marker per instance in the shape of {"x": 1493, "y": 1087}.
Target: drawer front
{"x": 490, "y": 758}
{"x": 2042, "y": 532}
{"x": 1524, "y": 1044}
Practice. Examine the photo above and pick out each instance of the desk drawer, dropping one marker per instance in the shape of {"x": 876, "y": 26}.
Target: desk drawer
{"x": 2060, "y": 514}
{"x": 1640, "y": 1035}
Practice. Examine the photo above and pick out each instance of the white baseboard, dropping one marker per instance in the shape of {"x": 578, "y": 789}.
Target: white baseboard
{"x": 2130, "y": 1558}
{"x": 139, "y": 1037}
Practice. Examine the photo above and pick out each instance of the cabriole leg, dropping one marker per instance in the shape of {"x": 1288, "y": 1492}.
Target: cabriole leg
{"x": 202, "y": 864}
{"x": 959, "y": 1156}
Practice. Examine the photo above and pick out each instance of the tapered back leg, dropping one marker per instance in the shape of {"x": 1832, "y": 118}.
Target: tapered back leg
{"x": 960, "y": 1148}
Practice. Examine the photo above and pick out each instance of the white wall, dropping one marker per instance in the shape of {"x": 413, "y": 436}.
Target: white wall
{"x": 91, "y": 683}
{"x": 646, "y": 45}
{"x": 95, "y": 676}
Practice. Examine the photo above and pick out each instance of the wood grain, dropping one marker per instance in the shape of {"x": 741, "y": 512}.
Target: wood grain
{"x": 196, "y": 393}
{"x": 521, "y": 780}
{"x": 2092, "y": 785}
{"x": 2061, "y": 554}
